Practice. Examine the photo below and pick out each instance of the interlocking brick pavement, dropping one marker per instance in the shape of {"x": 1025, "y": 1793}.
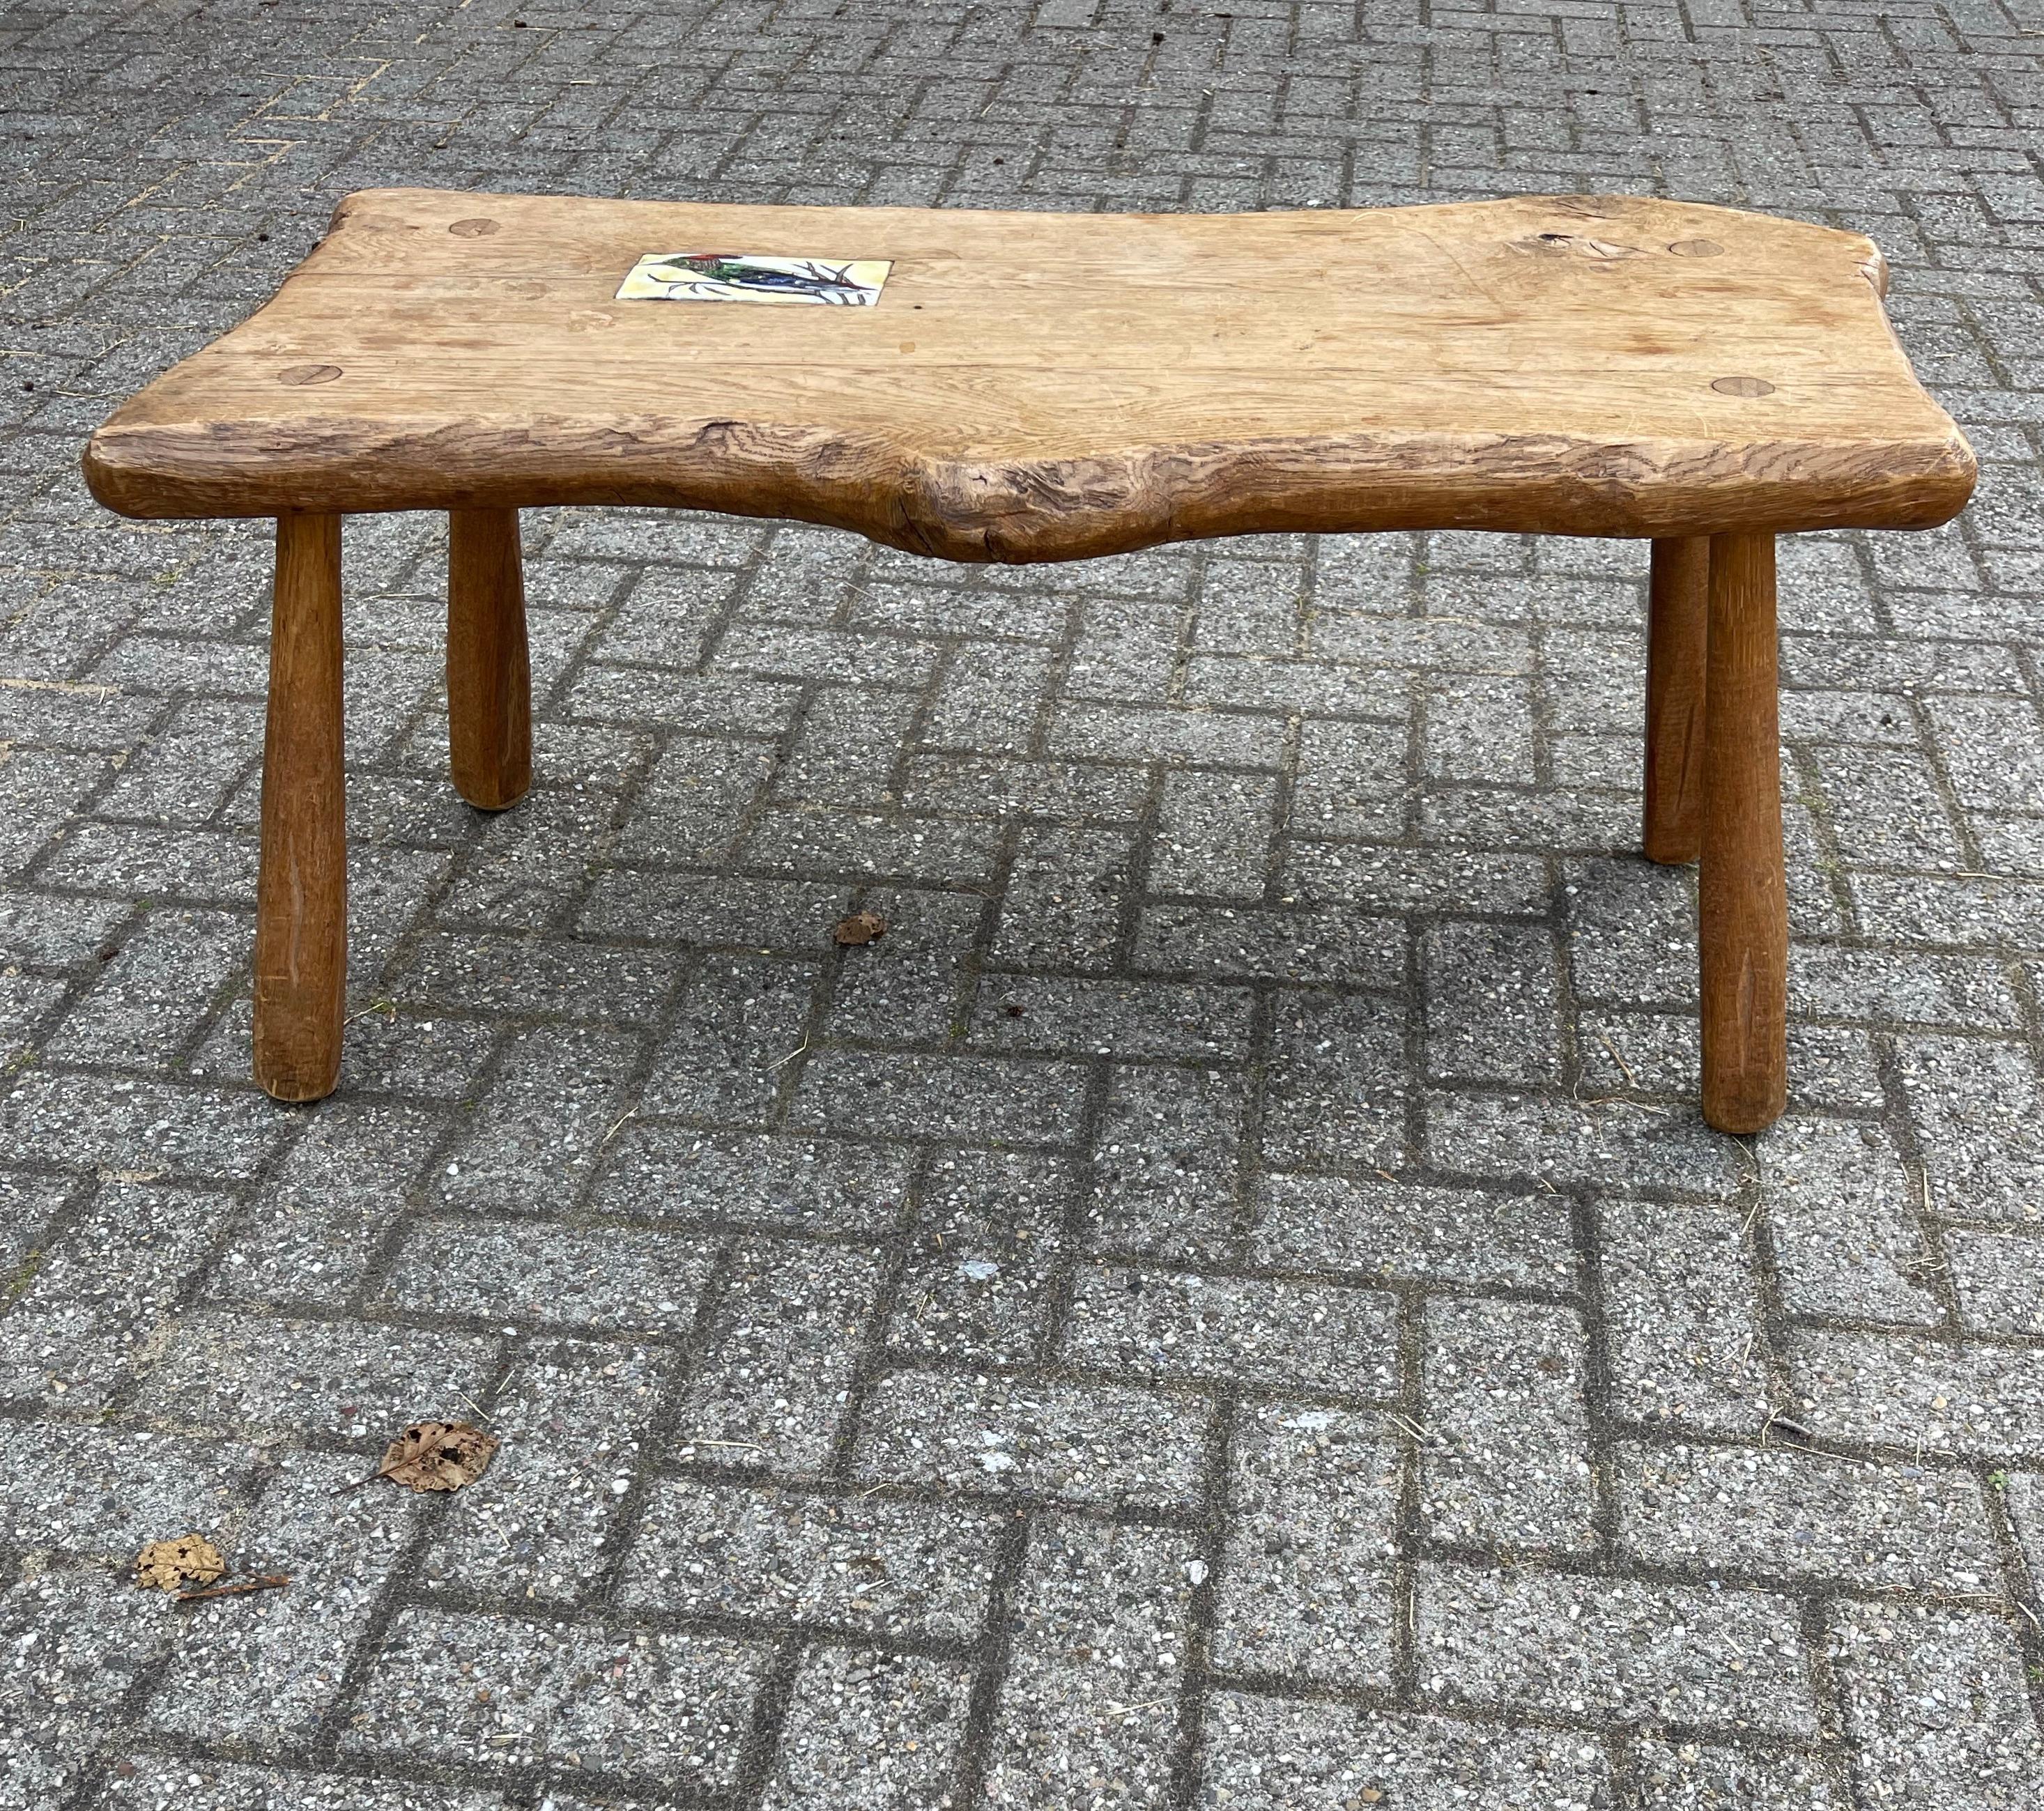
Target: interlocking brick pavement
{"x": 1230, "y": 1304}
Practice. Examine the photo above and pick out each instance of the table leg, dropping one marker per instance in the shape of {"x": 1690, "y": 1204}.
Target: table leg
{"x": 301, "y": 887}
{"x": 489, "y": 681}
{"x": 1744, "y": 932}
{"x": 1677, "y": 608}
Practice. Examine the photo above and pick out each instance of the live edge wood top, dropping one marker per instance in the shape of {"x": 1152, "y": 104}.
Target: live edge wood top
{"x": 1038, "y": 387}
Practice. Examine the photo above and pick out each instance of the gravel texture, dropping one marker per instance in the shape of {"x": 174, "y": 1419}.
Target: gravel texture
{"x": 1230, "y": 1302}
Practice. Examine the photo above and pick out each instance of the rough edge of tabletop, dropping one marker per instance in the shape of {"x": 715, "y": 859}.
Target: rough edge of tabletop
{"x": 1047, "y": 510}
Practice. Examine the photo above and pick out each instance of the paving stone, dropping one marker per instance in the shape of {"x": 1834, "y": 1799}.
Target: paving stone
{"x": 1379, "y": 1229}
{"x": 268, "y": 1673}
{"x": 1166, "y": 1168}
{"x": 1305, "y": 1574}
{"x": 1831, "y": 1068}
{"x": 977, "y": 785}
{"x": 906, "y": 987}
{"x": 875, "y": 1564}
{"x": 182, "y": 1783}
{"x": 484, "y": 972}
{"x": 318, "y": 1222}
{"x": 1125, "y": 649}
{"x": 870, "y": 1729}
{"x": 1702, "y": 1776}
{"x": 1323, "y": 945}
{"x": 52, "y": 931}
{"x": 1886, "y": 807}
{"x": 104, "y": 1493}
{"x": 844, "y": 751}
{"x": 2023, "y": 1493}
{"x": 1979, "y": 1112}
{"x": 1935, "y": 1705}
{"x": 536, "y": 1138}
{"x": 1272, "y": 1754}
{"x": 1517, "y": 1137}
{"x": 1846, "y": 1243}
{"x": 1507, "y": 1461}
{"x": 773, "y": 1380}
{"x": 154, "y": 993}
{"x": 28, "y": 1207}
{"x": 1321, "y": 1337}
{"x": 1351, "y": 779}
{"x": 1213, "y": 835}
{"x": 976, "y": 707}
{"x": 1336, "y": 1083}
{"x": 691, "y": 1177}
{"x": 695, "y": 803}
{"x": 1160, "y": 1021}
{"x": 524, "y": 867}
{"x": 1573, "y": 1647}
{"x": 1496, "y": 1017}
{"x": 142, "y": 1129}
{"x": 1101, "y": 1626}
{"x": 742, "y": 913}
{"x": 1781, "y": 1513}
{"x": 1890, "y": 985}
{"x": 79, "y": 1640}
{"x": 427, "y": 1056}
{"x": 1064, "y": 905}
{"x": 87, "y": 1316}
{"x": 1084, "y": 1443}
{"x": 1920, "y": 1393}
{"x": 1632, "y": 933}
{"x": 1683, "y": 1317}
{"x": 227, "y": 1370}
{"x": 971, "y": 1099}
{"x": 1999, "y": 1278}
{"x": 664, "y": 1709}
{"x": 529, "y": 1271}
{"x": 571, "y": 1418}
{"x": 870, "y": 847}
{"x": 987, "y": 1236}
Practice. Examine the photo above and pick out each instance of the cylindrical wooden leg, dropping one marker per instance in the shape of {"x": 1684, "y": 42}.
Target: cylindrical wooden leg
{"x": 1678, "y": 606}
{"x": 1744, "y": 933}
{"x": 302, "y": 889}
{"x": 489, "y": 681}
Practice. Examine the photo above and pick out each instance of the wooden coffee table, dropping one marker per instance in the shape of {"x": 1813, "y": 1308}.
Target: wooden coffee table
{"x": 1047, "y": 387}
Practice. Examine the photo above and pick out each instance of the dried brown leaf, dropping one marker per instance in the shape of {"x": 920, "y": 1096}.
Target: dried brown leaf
{"x": 861, "y": 927}
{"x": 438, "y": 1456}
{"x": 171, "y": 1565}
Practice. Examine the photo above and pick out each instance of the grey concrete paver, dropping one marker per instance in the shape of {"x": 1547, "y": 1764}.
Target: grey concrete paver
{"x": 1231, "y": 1303}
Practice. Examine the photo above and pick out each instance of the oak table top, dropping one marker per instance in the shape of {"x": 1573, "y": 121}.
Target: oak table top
{"x": 1039, "y": 387}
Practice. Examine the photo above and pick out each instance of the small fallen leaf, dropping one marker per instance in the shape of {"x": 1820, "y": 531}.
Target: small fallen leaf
{"x": 438, "y": 1456}
{"x": 171, "y": 1565}
{"x": 861, "y": 927}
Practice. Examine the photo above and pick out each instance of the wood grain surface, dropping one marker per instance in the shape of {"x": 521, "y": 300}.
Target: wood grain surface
{"x": 488, "y": 672}
{"x": 301, "y": 885}
{"x": 1678, "y": 592}
{"x": 1742, "y": 928}
{"x": 1048, "y": 386}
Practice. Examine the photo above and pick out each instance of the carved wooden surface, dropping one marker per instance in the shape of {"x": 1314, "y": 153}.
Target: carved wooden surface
{"x": 1048, "y": 386}
{"x": 301, "y": 887}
